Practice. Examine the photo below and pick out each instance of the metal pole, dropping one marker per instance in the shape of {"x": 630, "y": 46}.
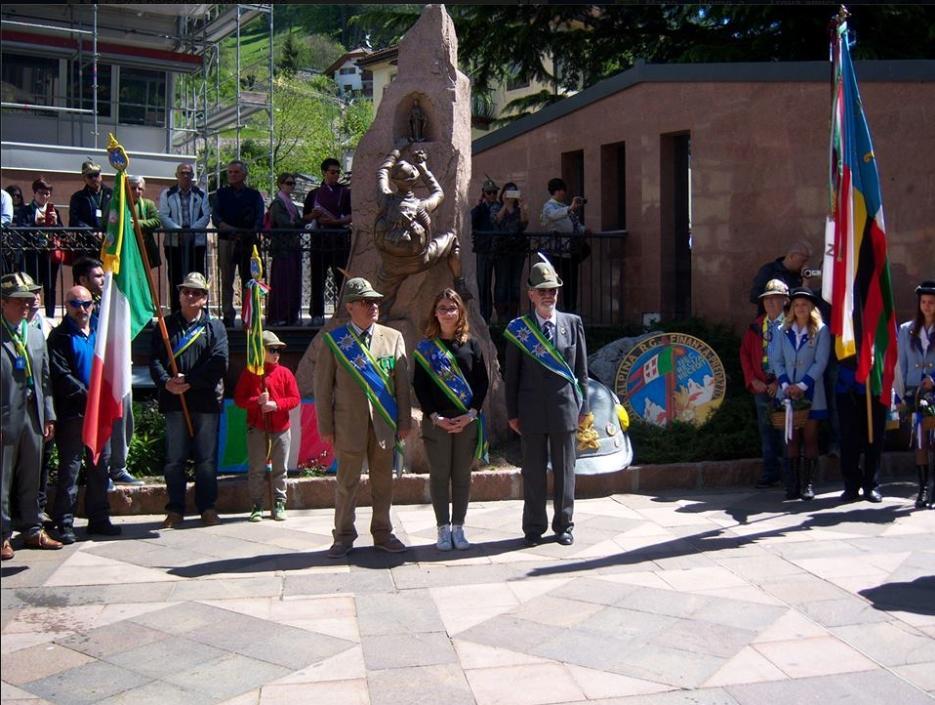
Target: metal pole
{"x": 94, "y": 72}
{"x": 272, "y": 170}
{"x": 237, "y": 82}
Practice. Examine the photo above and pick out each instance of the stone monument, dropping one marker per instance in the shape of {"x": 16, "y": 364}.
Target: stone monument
{"x": 406, "y": 240}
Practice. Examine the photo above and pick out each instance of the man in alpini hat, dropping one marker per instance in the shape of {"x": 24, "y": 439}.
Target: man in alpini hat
{"x": 546, "y": 399}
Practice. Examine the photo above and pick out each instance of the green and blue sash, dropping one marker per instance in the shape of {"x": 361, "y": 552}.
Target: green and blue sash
{"x": 360, "y": 364}
{"x": 525, "y": 335}
{"x": 186, "y": 341}
{"x": 443, "y": 369}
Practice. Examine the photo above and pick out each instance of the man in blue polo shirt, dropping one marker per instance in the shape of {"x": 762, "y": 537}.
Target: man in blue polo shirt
{"x": 71, "y": 355}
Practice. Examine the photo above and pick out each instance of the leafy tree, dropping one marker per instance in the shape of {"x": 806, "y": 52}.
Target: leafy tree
{"x": 322, "y": 51}
{"x": 593, "y": 42}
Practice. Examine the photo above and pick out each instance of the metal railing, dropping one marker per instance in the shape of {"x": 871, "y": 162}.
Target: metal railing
{"x": 591, "y": 266}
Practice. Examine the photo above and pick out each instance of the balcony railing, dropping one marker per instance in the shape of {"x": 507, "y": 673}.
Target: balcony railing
{"x": 591, "y": 266}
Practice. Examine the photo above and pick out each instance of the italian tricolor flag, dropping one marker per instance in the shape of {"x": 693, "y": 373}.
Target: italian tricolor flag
{"x": 126, "y": 308}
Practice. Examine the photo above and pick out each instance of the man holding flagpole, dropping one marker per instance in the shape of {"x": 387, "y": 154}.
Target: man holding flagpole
{"x": 857, "y": 280}
{"x": 200, "y": 350}
{"x": 546, "y": 400}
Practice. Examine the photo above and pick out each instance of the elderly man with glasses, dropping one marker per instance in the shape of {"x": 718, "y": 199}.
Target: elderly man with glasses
{"x": 71, "y": 355}
{"x": 184, "y": 208}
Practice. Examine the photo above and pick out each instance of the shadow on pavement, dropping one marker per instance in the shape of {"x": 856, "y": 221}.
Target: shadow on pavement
{"x": 362, "y": 557}
{"x": 718, "y": 539}
{"x": 917, "y": 596}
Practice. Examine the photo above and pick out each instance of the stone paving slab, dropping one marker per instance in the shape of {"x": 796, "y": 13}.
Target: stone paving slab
{"x": 710, "y": 598}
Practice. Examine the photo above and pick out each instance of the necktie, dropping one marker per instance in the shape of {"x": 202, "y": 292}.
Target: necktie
{"x": 367, "y": 337}
{"x": 548, "y": 328}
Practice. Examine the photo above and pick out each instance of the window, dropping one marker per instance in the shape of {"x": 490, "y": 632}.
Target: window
{"x": 81, "y": 87}
{"x": 142, "y": 97}
{"x": 517, "y": 82}
{"x": 349, "y": 71}
{"x": 29, "y": 79}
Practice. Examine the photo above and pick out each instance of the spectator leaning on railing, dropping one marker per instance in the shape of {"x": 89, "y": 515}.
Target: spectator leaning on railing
{"x": 184, "y": 207}
{"x": 238, "y": 215}
{"x": 148, "y": 217}
{"x": 328, "y": 206}
{"x": 88, "y": 207}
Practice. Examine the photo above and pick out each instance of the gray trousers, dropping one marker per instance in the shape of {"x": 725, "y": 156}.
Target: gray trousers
{"x": 537, "y": 449}
{"x": 71, "y": 451}
{"x": 22, "y": 457}
{"x": 256, "y": 457}
{"x": 120, "y": 438}
{"x": 450, "y": 456}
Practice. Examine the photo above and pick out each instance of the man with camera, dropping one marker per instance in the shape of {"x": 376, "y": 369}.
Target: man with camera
{"x": 789, "y": 268}
{"x": 558, "y": 217}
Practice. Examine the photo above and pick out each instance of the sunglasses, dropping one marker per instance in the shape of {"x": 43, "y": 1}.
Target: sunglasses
{"x": 81, "y": 304}
{"x": 186, "y": 173}
{"x": 92, "y": 176}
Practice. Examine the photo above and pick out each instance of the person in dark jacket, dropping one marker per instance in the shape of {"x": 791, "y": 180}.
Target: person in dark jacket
{"x": 200, "y": 349}
{"x": 787, "y": 268}
{"x": 238, "y": 215}
{"x": 450, "y": 366}
{"x": 71, "y": 355}
{"x": 482, "y": 235}
{"x": 88, "y": 208}
{"x": 42, "y": 264}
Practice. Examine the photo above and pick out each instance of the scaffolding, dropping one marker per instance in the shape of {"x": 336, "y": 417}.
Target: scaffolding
{"x": 204, "y": 114}
{"x": 202, "y": 117}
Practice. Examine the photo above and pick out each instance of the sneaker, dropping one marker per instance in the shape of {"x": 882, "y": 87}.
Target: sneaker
{"x": 444, "y": 538}
{"x": 339, "y": 550}
{"x": 257, "y": 514}
{"x": 172, "y": 521}
{"x": 111, "y": 487}
{"x": 209, "y": 517}
{"x": 125, "y": 478}
{"x": 279, "y": 511}
{"x": 458, "y": 539}
{"x": 66, "y": 534}
{"x": 392, "y": 545}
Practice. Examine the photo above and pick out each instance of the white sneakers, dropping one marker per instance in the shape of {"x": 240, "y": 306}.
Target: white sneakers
{"x": 444, "y": 538}
{"x": 457, "y": 538}
{"x": 451, "y": 537}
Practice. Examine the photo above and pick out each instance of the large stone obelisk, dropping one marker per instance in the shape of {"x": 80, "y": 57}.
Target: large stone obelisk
{"x": 427, "y": 109}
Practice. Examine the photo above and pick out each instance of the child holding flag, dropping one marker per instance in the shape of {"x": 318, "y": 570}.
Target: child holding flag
{"x": 268, "y": 399}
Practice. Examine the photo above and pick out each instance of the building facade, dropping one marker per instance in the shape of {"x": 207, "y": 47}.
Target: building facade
{"x": 713, "y": 169}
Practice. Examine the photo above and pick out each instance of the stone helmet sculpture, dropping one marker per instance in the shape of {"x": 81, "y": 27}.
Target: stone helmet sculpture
{"x": 613, "y": 451}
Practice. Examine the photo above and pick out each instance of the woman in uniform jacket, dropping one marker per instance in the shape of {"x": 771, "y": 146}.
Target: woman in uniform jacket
{"x": 917, "y": 365}
{"x": 798, "y": 356}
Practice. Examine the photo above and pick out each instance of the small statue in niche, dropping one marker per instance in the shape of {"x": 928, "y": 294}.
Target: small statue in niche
{"x": 402, "y": 232}
{"x": 416, "y": 122}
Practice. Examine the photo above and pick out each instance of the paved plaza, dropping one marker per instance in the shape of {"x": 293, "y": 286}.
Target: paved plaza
{"x": 677, "y": 598}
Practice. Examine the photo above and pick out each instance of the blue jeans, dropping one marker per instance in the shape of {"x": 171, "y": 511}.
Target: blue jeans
{"x": 202, "y": 448}
{"x": 770, "y": 441}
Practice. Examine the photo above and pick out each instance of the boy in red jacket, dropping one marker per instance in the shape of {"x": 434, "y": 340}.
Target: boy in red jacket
{"x": 268, "y": 431}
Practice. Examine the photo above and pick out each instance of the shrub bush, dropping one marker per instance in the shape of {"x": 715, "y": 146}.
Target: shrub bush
{"x": 147, "y": 454}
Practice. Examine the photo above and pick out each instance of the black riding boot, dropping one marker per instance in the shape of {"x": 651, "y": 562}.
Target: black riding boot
{"x": 808, "y": 476}
{"x": 923, "y": 499}
{"x": 791, "y": 472}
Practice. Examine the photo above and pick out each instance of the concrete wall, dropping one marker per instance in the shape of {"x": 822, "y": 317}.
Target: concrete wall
{"x": 759, "y": 179}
